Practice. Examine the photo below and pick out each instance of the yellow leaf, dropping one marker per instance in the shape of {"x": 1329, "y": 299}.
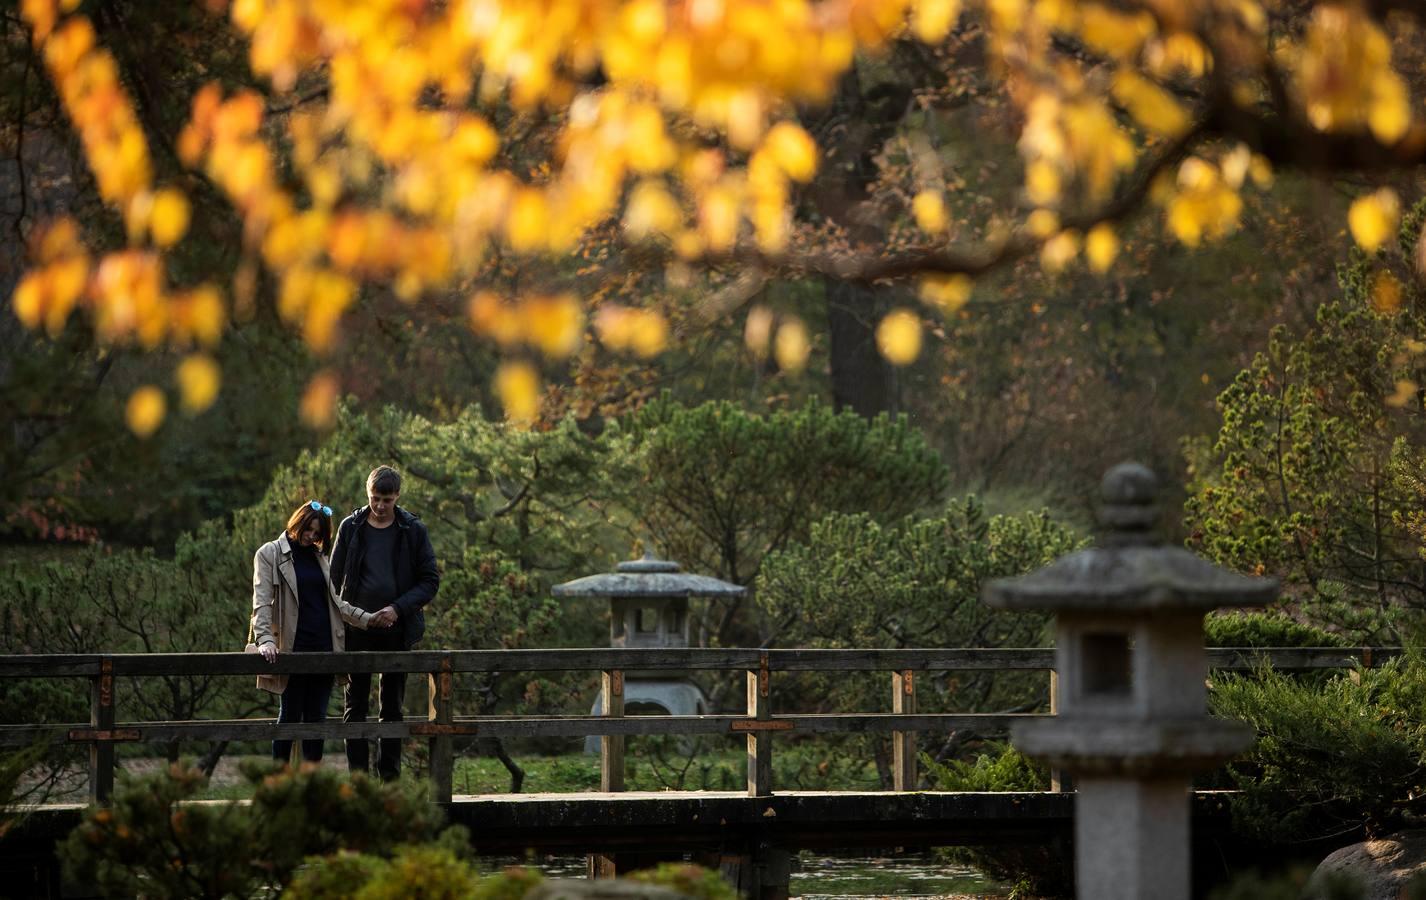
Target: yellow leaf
{"x": 1386, "y": 293}
{"x": 930, "y": 212}
{"x": 528, "y": 222}
{"x": 168, "y": 219}
{"x": 1059, "y": 251}
{"x": 933, "y": 19}
{"x": 145, "y": 410}
{"x": 898, "y": 337}
{"x": 791, "y": 346}
{"x": 1118, "y": 34}
{"x": 793, "y": 150}
{"x": 1042, "y": 223}
{"x": 554, "y": 324}
{"x": 1372, "y": 219}
{"x": 1261, "y": 171}
{"x": 29, "y": 300}
{"x": 649, "y": 333}
{"x": 949, "y": 292}
{"x": 198, "y": 381}
{"x": 318, "y": 408}
{"x": 1042, "y": 183}
{"x": 1101, "y": 246}
{"x": 651, "y": 210}
{"x": 518, "y": 385}
{"x": 718, "y": 216}
{"x": 1150, "y": 105}
{"x": 757, "y": 331}
{"x": 1390, "y": 113}
{"x": 1405, "y": 393}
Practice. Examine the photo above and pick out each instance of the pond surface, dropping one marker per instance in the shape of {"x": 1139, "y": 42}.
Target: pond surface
{"x": 905, "y": 876}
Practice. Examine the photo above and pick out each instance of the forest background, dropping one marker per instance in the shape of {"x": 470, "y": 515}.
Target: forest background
{"x": 1263, "y": 356}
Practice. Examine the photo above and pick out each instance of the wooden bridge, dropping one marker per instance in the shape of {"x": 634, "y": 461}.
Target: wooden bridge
{"x": 760, "y": 824}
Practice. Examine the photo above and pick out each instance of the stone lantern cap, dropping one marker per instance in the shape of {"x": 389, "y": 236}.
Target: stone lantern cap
{"x": 646, "y": 578}
{"x": 1131, "y": 570}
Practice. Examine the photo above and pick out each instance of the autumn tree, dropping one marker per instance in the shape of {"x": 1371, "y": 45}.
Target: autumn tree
{"x": 1315, "y": 473}
{"x": 683, "y": 139}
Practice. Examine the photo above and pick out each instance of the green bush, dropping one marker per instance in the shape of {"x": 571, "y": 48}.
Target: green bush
{"x": 1257, "y": 629}
{"x": 1035, "y": 869}
{"x": 693, "y": 881}
{"x": 1332, "y": 757}
{"x": 152, "y": 842}
{"x": 999, "y": 767}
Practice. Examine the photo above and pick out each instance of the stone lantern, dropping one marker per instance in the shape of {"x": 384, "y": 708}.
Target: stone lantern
{"x": 1132, "y": 725}
{"x": 648, "y": 608}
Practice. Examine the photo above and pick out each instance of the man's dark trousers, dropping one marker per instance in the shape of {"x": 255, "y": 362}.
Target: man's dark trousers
{"x": 358, "y": 703}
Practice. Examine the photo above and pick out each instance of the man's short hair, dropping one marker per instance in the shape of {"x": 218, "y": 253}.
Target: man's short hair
{"x": 383, "y": 480}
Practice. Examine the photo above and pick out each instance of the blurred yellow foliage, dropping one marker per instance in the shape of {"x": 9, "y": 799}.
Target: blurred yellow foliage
{"x": 318, "y": 408}
{"x": 1373, "y": 217}
{"x": 623, "y": 328}
{"x": 518, "y": 386}
{"x": 930, "y": 212}
{"x": 676, "y": 119}
{"x": 791, "y": 347}
{"x": 145, "y": 410}
{"x": 898, "y": 337}
{"x": 949, "y": 292}
{"x": 198, "y": 380}
{"x": 1101, "y": 247}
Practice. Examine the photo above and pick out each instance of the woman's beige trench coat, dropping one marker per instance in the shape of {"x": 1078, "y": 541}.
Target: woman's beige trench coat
{"x": 275, "y": 606}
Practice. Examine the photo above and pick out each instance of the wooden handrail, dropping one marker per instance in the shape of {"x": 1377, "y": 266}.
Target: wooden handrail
{"x": 602, "y": 659}
{"x": 441, "y": 726}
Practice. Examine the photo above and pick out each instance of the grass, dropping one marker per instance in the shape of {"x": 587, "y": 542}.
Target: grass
{"x": 669, "y": 766}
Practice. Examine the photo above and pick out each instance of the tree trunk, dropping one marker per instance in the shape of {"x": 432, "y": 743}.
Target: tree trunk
{"x": 861, "y": 380}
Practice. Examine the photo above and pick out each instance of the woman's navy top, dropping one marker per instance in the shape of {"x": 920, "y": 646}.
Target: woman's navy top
{"x": 314, "y": 623}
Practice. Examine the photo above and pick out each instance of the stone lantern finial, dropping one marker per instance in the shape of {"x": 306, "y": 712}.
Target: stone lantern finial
{"x": 1129, "y": 505}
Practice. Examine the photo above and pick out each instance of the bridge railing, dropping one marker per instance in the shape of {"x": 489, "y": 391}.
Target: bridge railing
{"x": 440, "y": 726}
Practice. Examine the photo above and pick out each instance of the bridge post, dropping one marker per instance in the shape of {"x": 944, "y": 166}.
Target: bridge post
{"x": 759, "y": 741}
{"x": 101, "y": 721}
{"x": 1060, "y": 780}
{"x": 611, "y": 746}
{"x": 903, "y": 743}
{"x": 438, "y": 692}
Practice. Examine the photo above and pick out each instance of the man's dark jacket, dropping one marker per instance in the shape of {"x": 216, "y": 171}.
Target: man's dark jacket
{"x": 415, "y": 566}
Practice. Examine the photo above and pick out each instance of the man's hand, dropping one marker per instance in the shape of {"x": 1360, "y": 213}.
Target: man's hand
{"x": 268, "y": 651}
{"x": 384, "y": 617}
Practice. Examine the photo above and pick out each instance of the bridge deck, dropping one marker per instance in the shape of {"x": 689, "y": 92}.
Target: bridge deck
{"x": 685, "y": 820}
{"x": 672, "y": 820}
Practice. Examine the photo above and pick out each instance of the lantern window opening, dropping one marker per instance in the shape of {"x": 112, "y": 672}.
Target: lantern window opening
{"x": 1106, "y": 664}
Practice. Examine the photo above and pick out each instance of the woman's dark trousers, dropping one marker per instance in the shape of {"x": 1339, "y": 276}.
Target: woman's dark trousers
{"x": 357, "y": 703}
{"x": 304, "y": 701}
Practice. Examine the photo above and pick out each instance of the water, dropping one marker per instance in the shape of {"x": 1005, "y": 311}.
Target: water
{"x": 907, "y": 876}
{"x": 910, "y": 876}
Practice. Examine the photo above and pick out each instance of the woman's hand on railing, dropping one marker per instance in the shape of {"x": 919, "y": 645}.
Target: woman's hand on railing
{"x": 268, "y": 651}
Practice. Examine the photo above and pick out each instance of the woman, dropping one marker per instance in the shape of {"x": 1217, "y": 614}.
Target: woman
{"x": 296, "y": 611}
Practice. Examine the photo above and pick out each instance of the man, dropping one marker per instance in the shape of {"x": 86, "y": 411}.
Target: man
{"x": 382, "y": 562}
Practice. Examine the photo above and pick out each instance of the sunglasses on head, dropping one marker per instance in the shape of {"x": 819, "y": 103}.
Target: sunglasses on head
{"x": 324, "y": 510}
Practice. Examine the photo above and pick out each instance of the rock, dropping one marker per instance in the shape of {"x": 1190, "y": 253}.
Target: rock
{"x": 579, "y": 889}
{"x": 1382, "y": 868}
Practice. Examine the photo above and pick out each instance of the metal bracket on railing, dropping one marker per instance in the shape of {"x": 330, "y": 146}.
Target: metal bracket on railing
{"x": 1366, "y": 657}
{"x": 761, "y": 725}
{"x": 616, "y": 682}
{"x": 88, "y": 735}
{"x": 437, "y": 729}
{"x": 106, "y": 682}
{"x": 762, "y": 674}
{"x": 907, "y": 683}
{"x": 445, "y": 679}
